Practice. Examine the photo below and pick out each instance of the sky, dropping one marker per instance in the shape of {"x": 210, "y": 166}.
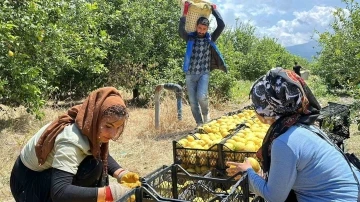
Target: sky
{"x": 291, "y": 22}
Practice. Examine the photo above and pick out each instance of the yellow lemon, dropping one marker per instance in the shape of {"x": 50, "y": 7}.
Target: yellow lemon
{"x": 10, "y": 53}
{"x": 228, "y": 146}
{"x": 231, "y": 141}
{"x": 254, "y": 164}
{"x": 239, "y": 146}
{"x": 250, "y": 147}
{"x": 236, "y": 138}
{"x": 183, "y": 142}
{"x": 190, "y": 138}
{"x": 225, "y": 133}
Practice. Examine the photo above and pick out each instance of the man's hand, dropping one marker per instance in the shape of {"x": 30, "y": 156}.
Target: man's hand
{"x": 186, "y": 8}
{"x": 213, "y": 7}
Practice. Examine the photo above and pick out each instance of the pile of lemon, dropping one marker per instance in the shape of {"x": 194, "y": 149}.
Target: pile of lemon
{"x": 248, "y": 139}
{"x": 225, "y": 124}
{"x": 201, "y": 149}
{"x": 215, "y": 131}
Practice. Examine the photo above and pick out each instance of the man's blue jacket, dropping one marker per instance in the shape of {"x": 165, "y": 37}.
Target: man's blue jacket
{"x": 217, "y": 60}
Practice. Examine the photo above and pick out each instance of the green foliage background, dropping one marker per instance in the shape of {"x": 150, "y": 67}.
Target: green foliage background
{"x": 61, "y": 49}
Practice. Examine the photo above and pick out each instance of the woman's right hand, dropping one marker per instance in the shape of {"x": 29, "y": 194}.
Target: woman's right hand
{"x": 235, "y": 167}
{"x": 118, "y": 191}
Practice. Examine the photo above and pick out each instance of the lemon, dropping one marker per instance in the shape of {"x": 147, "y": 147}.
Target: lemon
{"x": 254, "y": 164}
{"x": 228, "y": 146}
{"x": 236, "y": 138}
{"x": 231, "y": 141}
{"x": 239, "y": 146}
{"x": 10, "y": 53}
{"x": 190, "y": 138}
{"x": 250, "y": 147}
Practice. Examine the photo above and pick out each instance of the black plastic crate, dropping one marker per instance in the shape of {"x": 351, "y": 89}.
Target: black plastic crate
{"x": 198, "y": 161}
{"x": 231, "y": 154}
{"x": 173, "y": 183}
{"x": 334, "y": 119}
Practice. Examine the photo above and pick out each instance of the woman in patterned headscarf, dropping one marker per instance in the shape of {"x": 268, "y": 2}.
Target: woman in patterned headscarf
{"x": 294, "y": 159}
{"x": 68, "y": 159}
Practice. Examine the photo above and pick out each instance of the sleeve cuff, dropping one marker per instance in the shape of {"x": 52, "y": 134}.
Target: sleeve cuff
{"x": 121, "y": 174}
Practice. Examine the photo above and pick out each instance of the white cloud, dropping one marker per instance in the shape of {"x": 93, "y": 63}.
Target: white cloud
{"x": 264, "y": 9}
{"x": 291, "y": 22}
{"x": 300, "y": 29}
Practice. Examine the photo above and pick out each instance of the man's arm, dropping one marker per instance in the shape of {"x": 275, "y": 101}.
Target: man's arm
{"x": 182, "y": 32}
{"x": 220, "y": 25}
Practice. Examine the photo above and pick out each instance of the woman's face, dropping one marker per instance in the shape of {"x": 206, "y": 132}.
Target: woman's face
{"x": 111, "y": 127}
{"x": 266, "y": 119}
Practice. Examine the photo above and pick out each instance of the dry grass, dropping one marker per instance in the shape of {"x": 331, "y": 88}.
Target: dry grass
{"x": 142, "y": 148}
{"x": 16, "y": 127}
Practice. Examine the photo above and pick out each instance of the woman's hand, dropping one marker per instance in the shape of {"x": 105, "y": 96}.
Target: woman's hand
{"x": 118, "y": 191}
{"x": 127, "y": 178}
{"x": 131, "y": 180}
{"x": 235, "y": 167}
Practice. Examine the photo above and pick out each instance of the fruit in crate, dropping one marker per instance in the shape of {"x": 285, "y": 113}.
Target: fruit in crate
{"x": 219, "y": 190}
{"x": 250, "y": 138}
{"x": 204, "y": 169}
{"x": 191, "y": 170}
{"x": 204, "y": 141}
{"x": 228, "y": 146}
{"x": 132, "y": 198}
{"x": 165, "y": 185}
{"x": 216, "y": 130}
{"x": 198, "y": 199}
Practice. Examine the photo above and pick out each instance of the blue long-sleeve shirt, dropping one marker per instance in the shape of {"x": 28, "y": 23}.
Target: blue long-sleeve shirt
{"x": 304, "y": 162}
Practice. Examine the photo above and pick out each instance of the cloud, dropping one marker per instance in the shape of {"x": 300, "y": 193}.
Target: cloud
{"x": 264, "y": 9}
{"x": 302, "y": 27}
{"x": 290, "y": 22}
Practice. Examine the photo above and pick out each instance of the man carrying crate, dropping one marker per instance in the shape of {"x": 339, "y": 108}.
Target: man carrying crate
{"x": 201, "y": 57}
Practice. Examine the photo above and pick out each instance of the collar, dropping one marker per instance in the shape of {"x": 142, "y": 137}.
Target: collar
{"x": 194, "y": 34}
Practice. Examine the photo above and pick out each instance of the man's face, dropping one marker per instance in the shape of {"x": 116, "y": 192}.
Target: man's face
{"x": 201, "y": 30}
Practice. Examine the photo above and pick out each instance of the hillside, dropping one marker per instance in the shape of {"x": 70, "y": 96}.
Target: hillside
{"x": 306, "y": 50}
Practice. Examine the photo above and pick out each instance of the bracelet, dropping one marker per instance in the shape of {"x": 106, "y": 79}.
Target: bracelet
{"x": 108, "y": 195}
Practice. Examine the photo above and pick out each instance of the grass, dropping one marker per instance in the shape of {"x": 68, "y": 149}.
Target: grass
{"x": 142, "y": 148}
{"x": 240, "y": 93}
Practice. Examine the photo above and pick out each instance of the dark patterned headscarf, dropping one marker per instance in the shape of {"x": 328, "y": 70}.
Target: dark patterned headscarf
{"x": 283, "y": 95}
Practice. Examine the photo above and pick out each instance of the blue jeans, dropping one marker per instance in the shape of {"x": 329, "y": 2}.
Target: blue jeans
{"x": 197, "y": 88}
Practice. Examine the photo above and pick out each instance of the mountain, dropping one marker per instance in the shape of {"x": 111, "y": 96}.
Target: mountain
{"x": 306, "y": 50}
